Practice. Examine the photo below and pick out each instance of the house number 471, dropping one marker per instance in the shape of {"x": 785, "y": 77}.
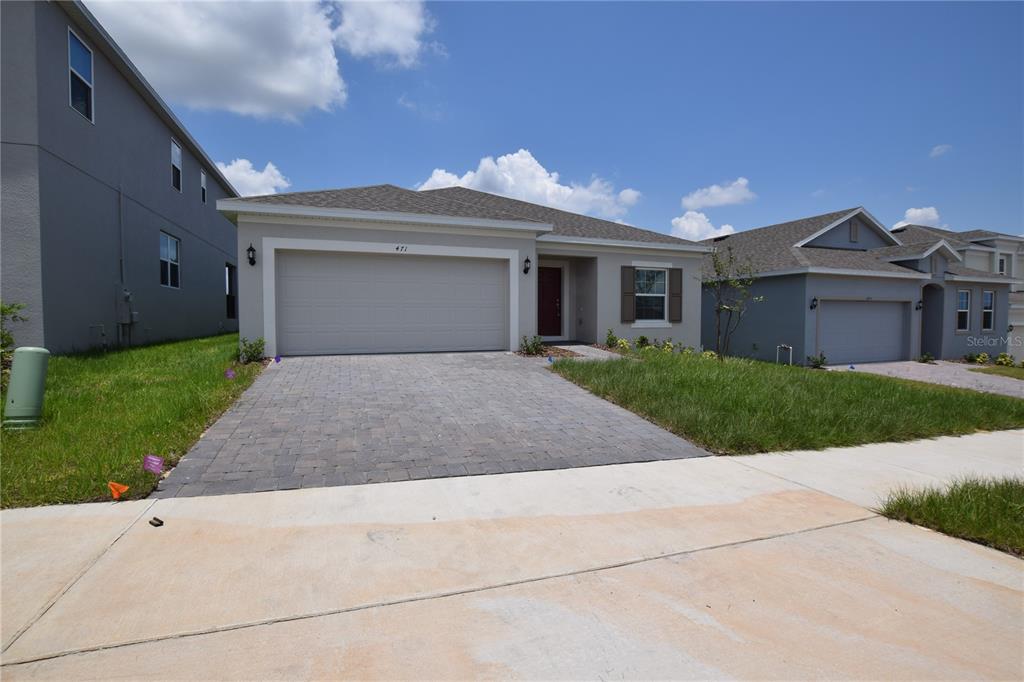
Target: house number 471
{"x": 401, "y": 248}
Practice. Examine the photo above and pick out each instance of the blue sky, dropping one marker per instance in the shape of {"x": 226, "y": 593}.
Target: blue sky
{"x": 818, "y": 106}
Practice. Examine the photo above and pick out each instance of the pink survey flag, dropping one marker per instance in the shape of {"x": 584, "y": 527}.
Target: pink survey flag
{"x": 153, "y": 464}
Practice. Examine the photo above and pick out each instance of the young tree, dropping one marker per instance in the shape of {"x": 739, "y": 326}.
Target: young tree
{"x": 730, "y": 286}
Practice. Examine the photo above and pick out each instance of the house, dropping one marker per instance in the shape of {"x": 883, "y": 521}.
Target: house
{"x": 110, "y": 231}
{"x": 842, "y": 285}
{"x": 385, "y": 269}
{"x": 994, "y": 252}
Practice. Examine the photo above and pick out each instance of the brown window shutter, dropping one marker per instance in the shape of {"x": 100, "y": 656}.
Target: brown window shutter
{"x": 675, "y": 295}
{"x": 628, "y": 293}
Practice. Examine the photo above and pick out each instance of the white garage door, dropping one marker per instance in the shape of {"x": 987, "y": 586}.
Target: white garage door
{"x": 366, "y": 303}
{"x": 862, "y": 331}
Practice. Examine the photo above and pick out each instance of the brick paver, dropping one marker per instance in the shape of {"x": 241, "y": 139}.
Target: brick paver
{"x": 347, "y": 420}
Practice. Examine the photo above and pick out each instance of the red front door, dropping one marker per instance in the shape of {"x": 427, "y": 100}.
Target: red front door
{"x": 549, "y": 301}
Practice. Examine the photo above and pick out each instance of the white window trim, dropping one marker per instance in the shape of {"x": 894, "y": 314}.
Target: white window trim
{"x": 1001, "y": 264}
{"x": 663, "y": 322}
{"x": 959, "y": 310}
{"x": 91, "y": 82}
{"x": 270, "y": 245}
{"x": 991, "y": 310}
{"x": 202, "y": 185}
{"x": 181, "y": 170}
{"x": 169, "y": 262}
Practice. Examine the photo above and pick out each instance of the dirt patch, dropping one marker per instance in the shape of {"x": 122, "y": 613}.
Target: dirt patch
{"x": 553, "y": 351}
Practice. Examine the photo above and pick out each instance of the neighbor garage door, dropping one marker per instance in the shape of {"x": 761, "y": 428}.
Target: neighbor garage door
{"x": 862, "y": 331}
{"x": 367, "y": 303}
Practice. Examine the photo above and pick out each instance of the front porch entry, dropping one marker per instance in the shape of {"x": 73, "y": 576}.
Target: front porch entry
{"x": 567, "y": 298}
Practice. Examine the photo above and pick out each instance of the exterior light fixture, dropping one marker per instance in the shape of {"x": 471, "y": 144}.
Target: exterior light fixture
{"x": 814, "y": 303}
{"x": 526, "y": 266}
{"x": 251, "y": 253}
{"x": 920, "y": 304}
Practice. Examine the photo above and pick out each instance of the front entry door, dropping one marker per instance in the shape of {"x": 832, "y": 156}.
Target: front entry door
{"x": 549, "y": 301}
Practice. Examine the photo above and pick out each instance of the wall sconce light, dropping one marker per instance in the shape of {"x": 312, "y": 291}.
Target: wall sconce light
{"x": 814, "y": 303}
{"x": 920, "y": 304}
{"x": 251, "y": 253}
{"x": 526, "y": 266}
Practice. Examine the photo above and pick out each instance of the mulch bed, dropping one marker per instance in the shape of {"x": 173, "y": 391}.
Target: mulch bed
{"x": 553, "y": 351}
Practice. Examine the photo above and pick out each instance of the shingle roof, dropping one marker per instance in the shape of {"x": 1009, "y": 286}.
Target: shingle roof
{"x": 924, "y": 233}
{"x": 770, "y": 248}
{"x": 565, "y": 223}
{"x": 386, "y": 198}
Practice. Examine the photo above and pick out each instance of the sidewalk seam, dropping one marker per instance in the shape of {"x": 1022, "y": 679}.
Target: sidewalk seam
{"x": 427, "y": 597}
{"x": 42, "y": 612}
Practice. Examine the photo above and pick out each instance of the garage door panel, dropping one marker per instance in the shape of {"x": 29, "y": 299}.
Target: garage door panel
{"x": 863, "y": 331}
{"x": 366, "y": 303}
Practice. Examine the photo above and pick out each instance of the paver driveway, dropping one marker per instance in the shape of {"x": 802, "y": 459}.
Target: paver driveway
{"x": 345, "y": 420}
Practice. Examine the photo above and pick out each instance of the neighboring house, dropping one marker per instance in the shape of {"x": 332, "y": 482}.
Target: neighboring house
{"x": 993, "y": 252}
{"x": 842, "y": 285}
{"x": 110, "y": 231}
{"x": 385, "y": 269}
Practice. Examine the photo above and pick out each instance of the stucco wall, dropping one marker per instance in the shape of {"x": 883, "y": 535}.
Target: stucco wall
{"x": 585, "y": 276}
{"x": 777, "y": 320}
{"x": 957, "y": 344}
{"x": 95, "y": 181}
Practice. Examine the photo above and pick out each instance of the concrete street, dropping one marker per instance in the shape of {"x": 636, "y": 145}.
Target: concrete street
{"x": 754, "y": 567}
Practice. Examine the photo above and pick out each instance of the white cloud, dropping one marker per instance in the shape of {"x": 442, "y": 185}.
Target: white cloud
{"x": 251, "y": 182}
{"x": 940, "y": 149}
{"x": 264, "y": 59}
{"x": 696, "y": 226}
{"x": 521, "y": 176}
{"x": 386, "y": 29}
{"x": 735, "y": 192}
{"x": 926, "y": 215}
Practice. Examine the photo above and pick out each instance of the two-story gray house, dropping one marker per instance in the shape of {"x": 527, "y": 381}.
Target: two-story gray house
{"x": 843, "y": 286}
{"x": 110, "y": 232}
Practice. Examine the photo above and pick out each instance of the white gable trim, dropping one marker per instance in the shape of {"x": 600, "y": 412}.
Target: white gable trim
{"x": 879, "y": 227}
{"x": 619, "y": 243}
{"x": 942, "y": 243}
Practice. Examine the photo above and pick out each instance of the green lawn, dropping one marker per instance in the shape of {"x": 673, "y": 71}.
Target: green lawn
{"x": 104, "y": 412}
{"x": 1012, "y": 372}
{"x": 990, "y": 511}
{"x": 744, "y": 406}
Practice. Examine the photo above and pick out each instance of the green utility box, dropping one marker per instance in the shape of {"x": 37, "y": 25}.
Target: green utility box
{"x": 24, "y": 406}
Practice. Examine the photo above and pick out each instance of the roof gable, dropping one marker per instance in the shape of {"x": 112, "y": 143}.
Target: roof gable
{"x": 866, "y": 218}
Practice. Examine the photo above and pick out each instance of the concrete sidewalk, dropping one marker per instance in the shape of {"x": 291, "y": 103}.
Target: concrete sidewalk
{"x": 763, "y": 566}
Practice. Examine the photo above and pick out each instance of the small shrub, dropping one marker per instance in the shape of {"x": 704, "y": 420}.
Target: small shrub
{"x": 642, "y": 341}
{"x": 926, "y": 358}
{"x": 687, "y": 350}
{"x": 623, "y": 345}
{"x": 817, "y": 361}
{"x": 9, "y": 312}
{"x": 982, "y": 359}
{"x": 709, "y": 355}
{"x": 532, "y": 346}
{"x": 610, "y": 339}
{"x": 668, "y": 346}
{"x": 250, "y": 351}
{"x": 971, "y": 357}
{"x": 1004, "y": 360}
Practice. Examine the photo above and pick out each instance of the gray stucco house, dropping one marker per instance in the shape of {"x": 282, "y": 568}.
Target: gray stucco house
{"x": 842, "y": 285}
{"x": 387, "y": 269}
{"x": 110, "y": 231}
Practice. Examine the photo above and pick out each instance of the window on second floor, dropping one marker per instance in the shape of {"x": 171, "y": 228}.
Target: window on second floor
{"x": 175, "y": 165}
{"x": 963, "y": 310}
{"x": 80, "y": 75}
{"x": 202, "y": 184}
{"x": 988, "y": 310}
{"x": 1002, "y": 265}
{"x": 170, "y": 261}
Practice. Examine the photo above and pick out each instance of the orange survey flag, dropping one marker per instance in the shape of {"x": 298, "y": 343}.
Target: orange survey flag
{"x": 116, "y": 489}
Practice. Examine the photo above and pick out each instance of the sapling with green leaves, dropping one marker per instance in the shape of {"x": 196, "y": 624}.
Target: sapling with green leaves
{"x": 730, "y": 287}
